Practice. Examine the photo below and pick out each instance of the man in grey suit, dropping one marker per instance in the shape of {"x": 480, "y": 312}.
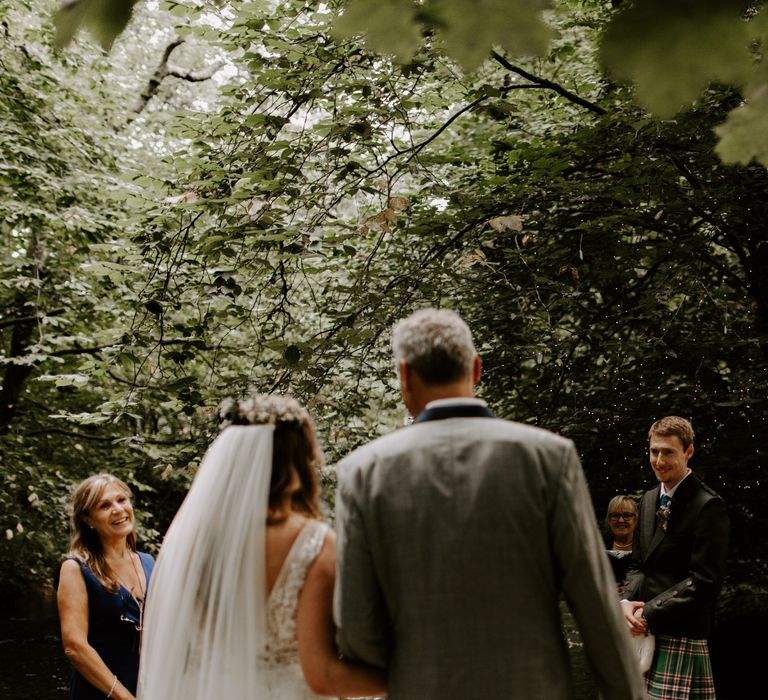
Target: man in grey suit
{"x": 457, "y": 536}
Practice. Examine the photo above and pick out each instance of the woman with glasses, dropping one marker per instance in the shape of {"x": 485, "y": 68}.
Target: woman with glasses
{"x": 102, "y": 591}
{"x": 620, "y": 522}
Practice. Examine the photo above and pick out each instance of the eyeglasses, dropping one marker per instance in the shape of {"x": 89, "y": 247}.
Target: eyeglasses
{"x": 619, "y": 516}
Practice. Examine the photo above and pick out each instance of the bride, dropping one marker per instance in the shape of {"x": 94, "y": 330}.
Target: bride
{"x": 241, "y": 596}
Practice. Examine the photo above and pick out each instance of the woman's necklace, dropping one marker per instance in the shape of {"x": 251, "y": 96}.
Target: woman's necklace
{"x": 616, "y": 545}
{"x": 138, "y": 599}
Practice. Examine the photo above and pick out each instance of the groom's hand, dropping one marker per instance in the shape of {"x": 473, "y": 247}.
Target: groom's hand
{"x": 632, "y": 610}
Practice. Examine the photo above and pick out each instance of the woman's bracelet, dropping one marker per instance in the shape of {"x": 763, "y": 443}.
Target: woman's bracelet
{"x": 112, "y": 689}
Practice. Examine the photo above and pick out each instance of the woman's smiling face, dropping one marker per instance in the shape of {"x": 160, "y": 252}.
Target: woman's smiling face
{"x": 623, "y": 520}
{"x": 112, "y": 515}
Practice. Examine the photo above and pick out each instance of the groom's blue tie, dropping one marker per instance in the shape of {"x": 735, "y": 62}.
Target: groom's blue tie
{"x": 664, "y": 500}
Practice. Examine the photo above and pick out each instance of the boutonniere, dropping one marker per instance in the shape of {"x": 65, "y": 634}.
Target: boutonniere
{"x": 663, "y": 514}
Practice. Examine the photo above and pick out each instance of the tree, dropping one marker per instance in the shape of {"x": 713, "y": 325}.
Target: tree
{"x": 267, "y": 241}
{"x": 631, "y": 290}
{"x": 65, "y": 207}
{"x": 669, "y": 51}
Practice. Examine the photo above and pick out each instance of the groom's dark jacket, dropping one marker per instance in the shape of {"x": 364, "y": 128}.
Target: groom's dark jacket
{"x": 678, "y": 572}
{"x": 457, "y": 537}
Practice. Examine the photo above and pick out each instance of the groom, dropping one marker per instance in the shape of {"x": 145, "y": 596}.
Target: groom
{"x": 457, "y": 536}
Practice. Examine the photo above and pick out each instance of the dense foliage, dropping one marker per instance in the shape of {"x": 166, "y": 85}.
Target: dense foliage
{"x": 266, "y": 235}
{"x": 670, "y": 51}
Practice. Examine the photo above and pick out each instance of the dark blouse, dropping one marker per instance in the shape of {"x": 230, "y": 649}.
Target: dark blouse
{"x": 619, "y": 559}
{"x": 113, "y": 621}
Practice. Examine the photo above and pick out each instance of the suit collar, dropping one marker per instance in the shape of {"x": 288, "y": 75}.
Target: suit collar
{"x": 683, "y": 491}
{"x": 654, "y": 531}
{"x": 454, "y": 410}
{"x": 654, "y": 535}
{"x": 671, "y": 492}
{"x": 456, "y": 401}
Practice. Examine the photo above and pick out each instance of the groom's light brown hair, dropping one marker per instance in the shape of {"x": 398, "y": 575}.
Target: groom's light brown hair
{"x": 673, "y": 426}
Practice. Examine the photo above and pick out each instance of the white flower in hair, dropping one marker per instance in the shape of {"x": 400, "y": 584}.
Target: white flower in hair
{"x": 262, "y": 409}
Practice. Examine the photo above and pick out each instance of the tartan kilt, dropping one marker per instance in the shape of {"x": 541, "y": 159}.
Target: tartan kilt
{"x": 681, "y": 670}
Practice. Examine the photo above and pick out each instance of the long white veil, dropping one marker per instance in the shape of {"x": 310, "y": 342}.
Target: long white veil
{"x": 205, "y": 624}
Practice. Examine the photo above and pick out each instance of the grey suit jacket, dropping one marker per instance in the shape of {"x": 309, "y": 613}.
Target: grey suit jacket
{"x": 456, "y": 538}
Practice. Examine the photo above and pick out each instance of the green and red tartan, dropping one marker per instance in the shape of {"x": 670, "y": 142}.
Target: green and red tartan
{"x": 681, "y": 670}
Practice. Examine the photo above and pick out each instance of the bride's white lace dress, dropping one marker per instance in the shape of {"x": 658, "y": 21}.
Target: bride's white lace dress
{"x": 208, "y": 633}
{"x": 283, "y": 675}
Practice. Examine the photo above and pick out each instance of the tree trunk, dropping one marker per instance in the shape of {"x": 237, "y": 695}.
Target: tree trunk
{"x": 15, "y": 376}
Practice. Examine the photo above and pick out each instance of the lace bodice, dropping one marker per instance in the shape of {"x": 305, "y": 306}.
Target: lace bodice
{"x": 282, "y": 645}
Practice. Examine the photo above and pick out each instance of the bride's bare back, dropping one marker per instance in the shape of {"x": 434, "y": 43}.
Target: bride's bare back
{"x": 280, "y": 537}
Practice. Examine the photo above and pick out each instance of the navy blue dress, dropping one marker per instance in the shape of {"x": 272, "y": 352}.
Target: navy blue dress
{"x": 113, "y": 619}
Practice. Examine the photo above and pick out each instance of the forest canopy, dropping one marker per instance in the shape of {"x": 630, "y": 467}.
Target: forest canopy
{"x": 670, "y": 52}
{"x": 245, "y": 197}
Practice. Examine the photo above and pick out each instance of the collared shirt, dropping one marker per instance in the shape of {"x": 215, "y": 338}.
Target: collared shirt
{"x": 456, "y": 401}
{"x": 671, "y": 492}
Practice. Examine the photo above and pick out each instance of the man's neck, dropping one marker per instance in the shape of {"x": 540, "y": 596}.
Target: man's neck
{"x": 417, "y": 393}
{"x": 669, "y": 490}
{"x": 428, "y": 394}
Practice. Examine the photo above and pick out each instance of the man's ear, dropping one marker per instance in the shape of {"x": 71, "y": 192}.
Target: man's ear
{"x": 689, "y": 452}
{"x": 476, "y": 369}
{"x": 405, "y": 377}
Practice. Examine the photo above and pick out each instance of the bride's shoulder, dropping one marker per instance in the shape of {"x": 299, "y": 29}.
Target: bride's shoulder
{"x": 319, "y": 526}
{"x": 320, "y": 535}
{"x": 324, "y": 549}
{"x": 299, "y": 526}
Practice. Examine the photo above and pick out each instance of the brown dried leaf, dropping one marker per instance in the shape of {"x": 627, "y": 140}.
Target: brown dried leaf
{"x": 378, "y": 221}
{"x": 500, "y": 224}
{"x": 390, "y": 216}
{"x": 188, "y": 197}
{"x": 398, "y": 203}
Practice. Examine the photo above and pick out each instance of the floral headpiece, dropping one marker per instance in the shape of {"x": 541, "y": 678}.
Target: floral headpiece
{"x": 262, "y": 409}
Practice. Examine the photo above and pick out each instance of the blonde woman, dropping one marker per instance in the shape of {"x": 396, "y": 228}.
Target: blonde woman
{"x": 102, "y": 591}
{"x": 620, "y": 523}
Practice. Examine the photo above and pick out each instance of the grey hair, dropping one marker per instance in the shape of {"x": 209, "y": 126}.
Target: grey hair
{"x": 436, "y": 344}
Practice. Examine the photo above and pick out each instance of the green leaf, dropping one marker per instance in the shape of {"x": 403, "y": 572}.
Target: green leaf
{"x": 473, "y": 29}
{"x": 106, "y": 19}
{"x": 744, "y": 134}
{"x": 389, "y": 26}
{"x": 68, "y": 19}
{"x": 64, "y": 379}
{"x": 292, "y": 354}
{"x": 154, "y": 307}
{"x": 672, "y": 50}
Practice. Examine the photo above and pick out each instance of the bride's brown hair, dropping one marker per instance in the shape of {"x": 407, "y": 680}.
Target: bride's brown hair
{"x": 295, "y": 449}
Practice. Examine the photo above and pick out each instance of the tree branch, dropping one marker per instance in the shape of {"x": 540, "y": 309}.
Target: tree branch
{"x": 69, "y": 433}
{"x": 543, "y": 82}
{"x": 163, "y": 71}
{"x": 197, "y": 77}
{"x": 104, "y": 438}
{"x": 153, "y": 85}
{"x": 29, "y": 319}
